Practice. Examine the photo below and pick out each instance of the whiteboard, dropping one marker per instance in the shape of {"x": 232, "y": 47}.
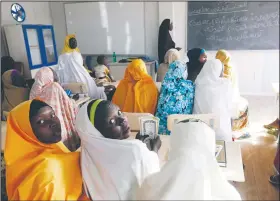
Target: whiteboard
{"x": 107, "y": 27}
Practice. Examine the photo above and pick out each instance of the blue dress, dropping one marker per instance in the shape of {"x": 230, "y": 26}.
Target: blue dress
{"x": 176, "y": 95}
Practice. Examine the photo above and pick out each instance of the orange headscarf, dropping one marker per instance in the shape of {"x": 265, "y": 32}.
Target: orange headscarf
{"x": 36, "y": 171}
{"x": 137, "y": 92}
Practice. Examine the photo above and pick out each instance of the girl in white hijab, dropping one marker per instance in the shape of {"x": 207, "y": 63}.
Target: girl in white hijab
{"x": 213, "y": 95}
{"x": 191, "y": 172}
{"x": 71, "y": 69}
{"x": 170, "y": 56}
{"x": 113, "y": 167}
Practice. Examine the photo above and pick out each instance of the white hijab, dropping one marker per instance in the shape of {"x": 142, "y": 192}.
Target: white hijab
{"x": 191, "y": 172}
{"x": 213, "y": 95}
{"x": 71, "y": 70}
{"x": 112, "y": 169}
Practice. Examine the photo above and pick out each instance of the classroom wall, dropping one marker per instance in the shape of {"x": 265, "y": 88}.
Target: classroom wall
{"x": 36, "y": 13}
{"x": 59, "y": 23}
{"x": 256, "y": 69}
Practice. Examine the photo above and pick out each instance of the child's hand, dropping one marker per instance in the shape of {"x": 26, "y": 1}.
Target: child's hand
{"x": 109, "y": 88}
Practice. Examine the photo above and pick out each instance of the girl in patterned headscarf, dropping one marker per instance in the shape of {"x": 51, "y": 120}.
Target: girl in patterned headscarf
{"x": 176, "y": 96}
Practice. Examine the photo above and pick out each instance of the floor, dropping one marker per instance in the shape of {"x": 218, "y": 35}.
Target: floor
{"x": 258, "y": 152}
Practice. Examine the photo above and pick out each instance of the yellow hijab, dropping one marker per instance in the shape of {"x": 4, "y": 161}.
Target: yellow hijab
{"x": 224, "y": 57}
{"x": 137, "y": 92}
{"x": 229, "y": 72}
{"x": 37, "y": 171}
{"x": 66, "y": 48}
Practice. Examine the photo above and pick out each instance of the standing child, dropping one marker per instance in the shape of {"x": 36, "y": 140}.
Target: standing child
{"x": 101, "y": 71}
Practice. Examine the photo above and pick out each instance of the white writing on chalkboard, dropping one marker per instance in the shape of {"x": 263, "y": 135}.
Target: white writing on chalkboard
{"x": 242, "y": 36}
{"x": 235, "y": 19}
{"x": 233, "y": 25}
{"x": 242, "y": 27}
{"x": 227, "y": 7}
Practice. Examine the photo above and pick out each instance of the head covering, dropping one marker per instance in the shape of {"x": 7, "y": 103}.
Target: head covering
{"x": 191, "y": 172}
{"x": 66, "y": 48}
{"x": 224, "y": 57}
{"x": 213, "y": 95}
{"x": 71, "y": 70}
{"x": 37, "y": 171}
{"x": 176, "y": 95}
{"x": 18, "y": 79}
{"x": 229, "y": 71}
{"x": 12, "y": 95}
{"x": 65, "y": 108}
{"x": 194, "y": 65}
{"x": 165, "y": 41}
{"x": 137, "y": 92}
{"x": 43, "y": 78}
{"x": 170, "y": 56}
{"x": 120, "y": 166}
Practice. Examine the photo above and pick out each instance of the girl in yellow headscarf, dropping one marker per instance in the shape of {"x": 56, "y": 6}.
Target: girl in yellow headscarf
{"x": 71, "y": 69}
{"x": 240, "y": 109}
{"x": 38, "y": 165}
{"x": 229, "y": 71}
{"x": 70, "y": 44}
{"x": 137, "y": 92}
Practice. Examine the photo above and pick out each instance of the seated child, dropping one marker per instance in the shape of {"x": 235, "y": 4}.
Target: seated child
{"x": 101, "y": 71}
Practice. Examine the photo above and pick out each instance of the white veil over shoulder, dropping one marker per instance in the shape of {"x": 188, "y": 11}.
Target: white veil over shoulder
{"x": 71, "y": 70}
{"x": 112, "y": 169}
{"x": 213, "y": 94}
{"x": 191, "y": 172}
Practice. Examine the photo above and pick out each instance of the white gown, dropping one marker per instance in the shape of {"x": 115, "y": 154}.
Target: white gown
{"x": 71, "y": 70}
{"x": 213, "y": 94}
{"x": 112, "y": 169}
{"x": 191, "y": 172}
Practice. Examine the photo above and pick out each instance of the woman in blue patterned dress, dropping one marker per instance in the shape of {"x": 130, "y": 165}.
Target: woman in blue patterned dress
{"x": 176, "y": 96}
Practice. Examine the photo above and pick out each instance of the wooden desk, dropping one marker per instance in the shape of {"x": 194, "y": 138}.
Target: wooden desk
{"x": 117, "y": 70}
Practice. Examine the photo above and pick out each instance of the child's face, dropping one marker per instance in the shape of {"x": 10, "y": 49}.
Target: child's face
{"x": 203, "y": 58}
{"x": 106, "y": 62}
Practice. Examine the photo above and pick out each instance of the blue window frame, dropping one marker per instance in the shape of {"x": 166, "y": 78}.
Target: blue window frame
{"x": 41, "y": 46}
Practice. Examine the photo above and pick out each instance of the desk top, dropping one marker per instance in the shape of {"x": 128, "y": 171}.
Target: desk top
{"x": 275, "y": 87}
